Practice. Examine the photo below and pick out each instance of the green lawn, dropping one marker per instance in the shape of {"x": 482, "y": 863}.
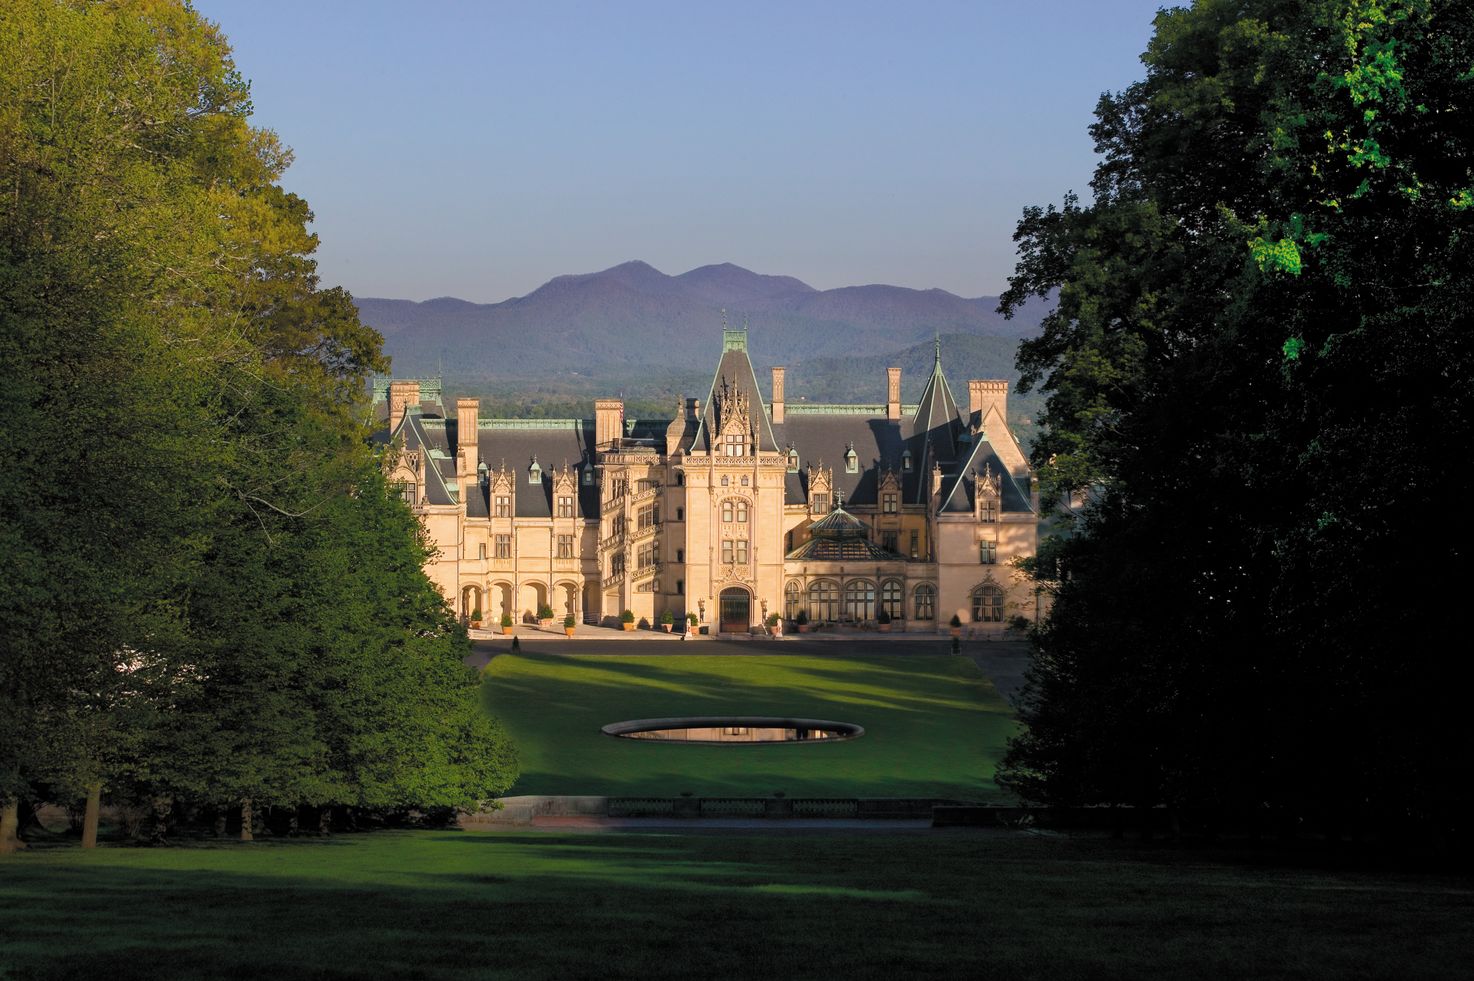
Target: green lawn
{"x": 689, "y": 904}
{"x": 934, "y": 726}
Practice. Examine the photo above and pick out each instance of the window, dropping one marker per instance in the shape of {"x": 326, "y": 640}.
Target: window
{"x": 646, "y": 557}
{"x": 742, "y": 512}
{"x": 888, "y": 541}
{"x": 680, "y": 514}
{"x": 504, "y": 546}
{"x": 565, "y": 507}
{"x": 744, "y": 481}
{"x": 851, "y": 460}
{"x": 791, "y": 599}
{"x": 988, "y": 553}
{"x": 734, "y": 730}
{"x": 680, "y": 555}
{"x": 926, "y": 601}
{"x": 616, "y": 563}
{"x": 728, "y": 510}
{"x": 503, "y": 507}
{"x": 741, "y": 551}
{"x": 680, "y": 480}
{"x": 915, "y": 543}
{"x": 726, "y": 480}
{"x": 987, "y": 604}
{"x": 820, "y": 503}
{"x": 823, "y": 601}
{"x": 680, "y": 587}
{"x": 735, "y": 445}
{"x": 890, "y": 503}
{"x": 792, "y": 460}
{"x": 859, "y": 601}
{"x": 890, "y": 599}
{"x": 906, "y": 461}
{"x": 588, "y": 476}
{"x": 727, "y": 551}
{"x": 534, "y": 473}
{"x": 565, "y": 546}
{"x": 406, "y": 492}
{"x": 988, "y": 510}
{"x": 648, "y": 518}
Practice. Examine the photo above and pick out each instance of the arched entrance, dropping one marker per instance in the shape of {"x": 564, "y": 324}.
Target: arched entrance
{"x": 568, "y": 594}
{"x": 736, "y": 611}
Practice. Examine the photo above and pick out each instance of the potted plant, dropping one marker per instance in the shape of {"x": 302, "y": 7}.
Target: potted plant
{"x": 476, "y": 618}
{"x": 956, "y": 625}
{"x": 568, "y": 623}
{"x": 691, "y": 621}
{"x": 883, "y": 621}
{"x": 545, "y": 616}
{"x": 802, "y": 621}
{"x": 667, "y": 620}
{"x": 507, "y": 624}
{"x": 627, "y": 619}
{"x": 775, "y": 624}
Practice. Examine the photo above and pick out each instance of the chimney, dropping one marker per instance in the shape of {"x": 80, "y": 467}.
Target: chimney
{"x": 893, "y": 394}
{"x": 608, "y": 423}
{"x": 984, "y": 395}
{"x": 402, "y": 395}
{"x": 468, "y": 453}
{"x": 778, "y": 395}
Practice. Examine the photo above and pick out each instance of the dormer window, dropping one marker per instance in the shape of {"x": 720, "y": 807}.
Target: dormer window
{"x": 906, "y": 461}
{"x": 792, "y": 460}
{"x": 481, "y": 472}
{"x": 734, "y": 444}
{"x": 534, "y": 473}
{"x": 588, "y": 476}
{"x": 851, "y": 460}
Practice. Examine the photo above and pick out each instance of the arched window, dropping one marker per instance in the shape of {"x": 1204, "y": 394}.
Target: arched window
{"x": 792, "y": 597}
{"x": 987, "y": 604}
{"x": 926, "y": 601}
{"x": 859, "y": 600}
{"x": 823, "y": 601}
{"x": 792, "y": 460}
{"x": 890, "y": 599}
{"x": 727, "y": 507}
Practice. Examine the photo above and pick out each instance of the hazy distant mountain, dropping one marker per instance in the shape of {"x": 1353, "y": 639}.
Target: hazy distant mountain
{"x": 632, "y": 320}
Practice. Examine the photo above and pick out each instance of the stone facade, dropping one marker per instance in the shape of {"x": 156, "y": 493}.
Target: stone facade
{"x": 735, "y": 509}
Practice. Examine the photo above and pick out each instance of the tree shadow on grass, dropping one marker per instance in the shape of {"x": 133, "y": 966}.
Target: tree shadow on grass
{"x": 433, "y": 905}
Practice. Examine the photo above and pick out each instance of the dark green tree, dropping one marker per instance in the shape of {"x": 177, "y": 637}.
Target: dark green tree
{"x": 1257, "y": 369}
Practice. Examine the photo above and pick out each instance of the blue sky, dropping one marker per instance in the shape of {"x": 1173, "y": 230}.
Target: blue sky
{"x": 478, "y": 149}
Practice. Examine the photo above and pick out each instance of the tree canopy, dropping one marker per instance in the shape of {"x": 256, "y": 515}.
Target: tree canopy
{"x": 1258, "y": 380}
{"x": 210, "y": 595}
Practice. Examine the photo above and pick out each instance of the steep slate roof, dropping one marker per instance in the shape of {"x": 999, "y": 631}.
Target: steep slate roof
{"x": 822, "y": 433}
{"x": 936, "y": 428}
{"x": 735, "y": 368}
{"x": 515, "y": 443}
{"x": 959, "y": 489}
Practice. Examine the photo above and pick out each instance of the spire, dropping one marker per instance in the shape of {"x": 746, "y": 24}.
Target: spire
{"x": 937, "y": 364}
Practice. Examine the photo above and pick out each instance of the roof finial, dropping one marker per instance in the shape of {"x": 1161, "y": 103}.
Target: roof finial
{"x": 839, "y": 498}
{"x": 939, "y": 347}
{"x": 724, "y": 318}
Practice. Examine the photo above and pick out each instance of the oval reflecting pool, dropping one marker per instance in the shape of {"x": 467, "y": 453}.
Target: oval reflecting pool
{"x": 726, "y": 730}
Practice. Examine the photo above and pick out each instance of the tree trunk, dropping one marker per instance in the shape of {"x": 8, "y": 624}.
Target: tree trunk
{"x": 90, "y": 815}
{"x": 325, "y": 819}
{"x": 9, "y": 827}
{"x": 247, "y": 816}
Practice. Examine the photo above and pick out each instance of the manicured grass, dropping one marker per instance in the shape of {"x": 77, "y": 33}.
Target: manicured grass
{"x": 934, "y": 726}
{"x": 733, "y": 904}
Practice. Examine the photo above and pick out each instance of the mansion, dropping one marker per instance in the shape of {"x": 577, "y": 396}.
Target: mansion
{"x": 735, "y": 510}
